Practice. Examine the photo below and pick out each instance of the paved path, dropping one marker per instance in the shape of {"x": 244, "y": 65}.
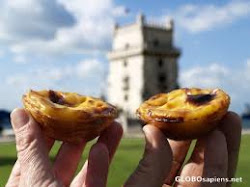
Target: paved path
{"x": 7, "y": 139}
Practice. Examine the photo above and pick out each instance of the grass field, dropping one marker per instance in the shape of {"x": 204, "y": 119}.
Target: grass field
{"x": 125, "y": 161}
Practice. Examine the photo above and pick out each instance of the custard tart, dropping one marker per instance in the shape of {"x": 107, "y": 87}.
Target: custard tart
{"x": 69, "y": 117}
{"x": 186, "y": 113}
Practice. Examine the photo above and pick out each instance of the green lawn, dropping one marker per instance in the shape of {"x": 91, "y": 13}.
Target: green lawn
{"x": 125, "y": 161}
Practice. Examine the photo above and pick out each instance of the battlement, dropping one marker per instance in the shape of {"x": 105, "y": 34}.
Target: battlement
{"x": 142, "y": 22}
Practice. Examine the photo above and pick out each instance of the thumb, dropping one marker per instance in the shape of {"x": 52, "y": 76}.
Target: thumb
{"x": 156, "y": 161}
{"x": 31, "y": 149}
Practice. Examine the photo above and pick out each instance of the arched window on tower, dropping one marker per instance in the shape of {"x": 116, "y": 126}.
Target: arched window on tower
{"x": 125, "y": 63}
{"x": 127, "y": 45}
{"x": 146, "y": 94}
{"x": 162, "y": 82}
{"x": 126, "y": 83}
{"x": 126, "y": 97}
{"x": 160, "y": 62}
{"x": 162, "y": 78}
{"x": 156, "y": 42}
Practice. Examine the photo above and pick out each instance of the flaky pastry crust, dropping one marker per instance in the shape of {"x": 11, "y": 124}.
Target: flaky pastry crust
{"x": 69, "y": 117}
{"x": 185, "y": 113}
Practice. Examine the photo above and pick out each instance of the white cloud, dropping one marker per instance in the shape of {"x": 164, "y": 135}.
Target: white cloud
{"x": 40, "y": 79}
{"x": 89, "y": 68}
{"x": 48, "y": 77}
{"x": 85, "y": 77}
{"x": 20, "y": 59}
{"x": 232, "y": 80}
{"x": 198, "y": 18}
{"x": 58, "y": 26}
{"x": 210, "y": 76}
{"x": 25, "y": 20}
{"x": 16, "y": 80}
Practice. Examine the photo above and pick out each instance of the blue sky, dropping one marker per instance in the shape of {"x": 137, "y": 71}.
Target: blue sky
{"x": 61, "y": 44}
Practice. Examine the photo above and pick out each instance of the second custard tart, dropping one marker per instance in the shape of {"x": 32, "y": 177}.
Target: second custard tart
{"x": 69, "y": 116}
{"x": 185, "y": 113}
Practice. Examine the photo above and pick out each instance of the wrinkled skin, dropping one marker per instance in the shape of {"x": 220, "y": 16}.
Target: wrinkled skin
{"x": 214, "y": 155}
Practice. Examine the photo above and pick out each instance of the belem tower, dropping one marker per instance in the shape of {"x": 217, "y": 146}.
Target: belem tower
{"x": 143, "y": 62}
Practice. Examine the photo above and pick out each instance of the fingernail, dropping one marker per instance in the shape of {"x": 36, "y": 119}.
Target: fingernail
{"x": 19, "y": 118}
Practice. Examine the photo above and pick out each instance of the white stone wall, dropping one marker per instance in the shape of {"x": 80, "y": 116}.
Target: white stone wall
{"x": 152, "y": 71}
{"x": 135, "y": 72}
{"x": 143, "y": 74}
{"x": 131, "y": 35}
{"x": 116, "y": 93}
{"x": 163, "y": 36}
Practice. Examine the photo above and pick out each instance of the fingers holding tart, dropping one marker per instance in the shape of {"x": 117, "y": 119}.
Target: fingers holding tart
{"x": 69, "y": 116}
{"x": 185, "y": 113}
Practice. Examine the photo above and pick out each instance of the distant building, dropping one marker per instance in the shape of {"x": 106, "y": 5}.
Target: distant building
{"x": 5, "y": 126}
{"x": 143, "y": 62}
{"x": 4, "y": 119}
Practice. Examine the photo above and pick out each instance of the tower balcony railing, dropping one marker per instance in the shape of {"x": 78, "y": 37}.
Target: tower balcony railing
{"x": 148, "y": 47}
{"x": 128, "y": 51}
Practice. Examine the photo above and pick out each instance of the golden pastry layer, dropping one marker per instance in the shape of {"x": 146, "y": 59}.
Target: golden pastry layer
{"x": 185, "y": 113}
{"x": 69, "y": 116}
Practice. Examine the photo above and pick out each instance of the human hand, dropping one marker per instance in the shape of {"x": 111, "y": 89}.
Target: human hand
{"x": 214, "y": 155}
{"x": 33, "y": 167}
{"x": 155, "y": 169}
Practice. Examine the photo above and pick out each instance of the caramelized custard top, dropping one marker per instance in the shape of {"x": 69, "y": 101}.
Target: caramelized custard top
{"x": 200, "y": 99}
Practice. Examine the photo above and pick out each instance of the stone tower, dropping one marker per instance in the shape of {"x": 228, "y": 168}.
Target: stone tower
{"x": 143, "y": 62}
